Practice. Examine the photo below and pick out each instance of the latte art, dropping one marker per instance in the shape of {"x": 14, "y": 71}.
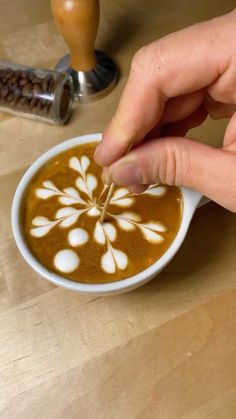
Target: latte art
{"x": 61, "y": 224}
{"x": 104, "y": 233}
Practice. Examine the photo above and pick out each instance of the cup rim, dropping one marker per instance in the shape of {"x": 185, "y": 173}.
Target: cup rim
{"x": 190, "y": 202}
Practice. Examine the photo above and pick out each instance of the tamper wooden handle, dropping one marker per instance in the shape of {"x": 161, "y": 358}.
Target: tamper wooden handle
{"x": 78, "y": 21}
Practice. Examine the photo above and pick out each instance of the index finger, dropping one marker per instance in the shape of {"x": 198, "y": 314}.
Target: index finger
{"x": 181, "y": 63}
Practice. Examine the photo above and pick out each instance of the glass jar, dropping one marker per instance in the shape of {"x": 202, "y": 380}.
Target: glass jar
{"x": 35, "y": 93}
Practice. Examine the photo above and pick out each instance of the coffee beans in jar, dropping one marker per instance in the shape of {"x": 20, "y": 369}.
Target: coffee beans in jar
{"x": 35, "y": 93}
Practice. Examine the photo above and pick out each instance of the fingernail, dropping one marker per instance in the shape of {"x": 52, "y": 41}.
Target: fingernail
{"x": 127, "y": 174}
{"x": 97, "y": 153}
{"x": 106, "y": 177}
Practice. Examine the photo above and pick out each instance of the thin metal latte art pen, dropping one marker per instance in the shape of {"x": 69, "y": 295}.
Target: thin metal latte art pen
{"x": 110, "y": 192}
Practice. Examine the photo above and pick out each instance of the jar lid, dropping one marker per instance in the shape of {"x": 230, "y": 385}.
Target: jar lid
{"x": 64, "y": 95}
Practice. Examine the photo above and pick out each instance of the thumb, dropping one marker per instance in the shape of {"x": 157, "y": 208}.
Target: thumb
{"x": 180, "y": 162}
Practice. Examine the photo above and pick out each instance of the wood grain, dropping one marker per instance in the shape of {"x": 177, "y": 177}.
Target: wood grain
{"x": 164, "y": 351}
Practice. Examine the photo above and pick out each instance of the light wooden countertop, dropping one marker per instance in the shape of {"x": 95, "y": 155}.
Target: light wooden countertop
{"x": 164, "y": 351}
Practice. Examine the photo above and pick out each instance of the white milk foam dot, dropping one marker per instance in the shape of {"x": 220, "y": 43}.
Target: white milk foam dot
{"x": 77, "y": 237}
{"x": 66, "y": 261}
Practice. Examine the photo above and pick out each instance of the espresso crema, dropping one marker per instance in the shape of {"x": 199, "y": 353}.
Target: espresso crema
{"x": 60, "y": 216}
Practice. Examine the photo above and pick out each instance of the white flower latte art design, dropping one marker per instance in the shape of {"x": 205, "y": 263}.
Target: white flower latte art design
{"x": 81, "y": 198}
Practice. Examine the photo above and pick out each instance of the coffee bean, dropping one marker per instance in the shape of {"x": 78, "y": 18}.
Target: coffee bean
{"x": 43, "y": 101}
{"x": 43, "y": 112}
{"x": 51, "y": 86}
{"x": 33, "y": 103}
{"x": 8, "y": 73}
{"x": 49, "y": 77}
{"x": 4, "y": 92}
{"x": 18, "y": 74}
{"x": 9, "y": 97}
{"x": 36, "y": 89}
{"x": 24, "y": 74}
{"x": 43, "y": 105}
{"x": 49, "y": 109}
{"x": 13, "y": 87}
{"x": 27, "y": 89}
{"x": 38, "y": 109}
{"x": 36, "y": 80}
{"x": 23, "y": 101}
{"x": 31, "y": 75}
{"x": 45, "y": 85}
{"x": 14, "y": 79}
{"x": 17, "y": 93}
{"x": 11, "y": 81}
{"x": 46, "y": 82}
{"x": 1, "y": 75}
{"x": 23, "y": 82}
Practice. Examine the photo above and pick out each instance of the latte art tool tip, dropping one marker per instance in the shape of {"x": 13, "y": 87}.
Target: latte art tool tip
{"x": 106, "y": 204}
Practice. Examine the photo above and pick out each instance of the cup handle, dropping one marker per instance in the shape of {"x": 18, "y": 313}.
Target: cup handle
{"x": 193, "y": 200}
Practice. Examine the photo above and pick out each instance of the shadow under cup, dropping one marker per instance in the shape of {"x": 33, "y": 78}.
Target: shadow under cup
{"x": 116, "y": 223}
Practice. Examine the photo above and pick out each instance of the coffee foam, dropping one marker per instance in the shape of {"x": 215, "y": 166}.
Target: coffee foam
{"x": 78, "y": 205}
{"x": 104, "y": 234}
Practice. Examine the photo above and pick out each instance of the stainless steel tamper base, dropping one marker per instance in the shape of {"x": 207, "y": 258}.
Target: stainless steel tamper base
{"x": 94, "y": 84}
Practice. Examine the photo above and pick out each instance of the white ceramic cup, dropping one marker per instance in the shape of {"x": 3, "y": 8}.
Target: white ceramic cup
{"x": 191, "y": 200}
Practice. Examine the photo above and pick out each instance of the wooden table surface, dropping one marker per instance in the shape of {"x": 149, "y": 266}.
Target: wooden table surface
{"x": 164, "y": 351}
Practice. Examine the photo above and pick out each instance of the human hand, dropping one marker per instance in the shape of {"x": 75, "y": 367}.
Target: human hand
{"x": 174, "y": 83}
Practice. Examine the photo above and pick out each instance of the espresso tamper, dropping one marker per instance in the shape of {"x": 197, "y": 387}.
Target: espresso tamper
{"x": 94, "y": 73}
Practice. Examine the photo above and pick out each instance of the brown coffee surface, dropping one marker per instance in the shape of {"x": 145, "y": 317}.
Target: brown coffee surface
{"x": 60, "y": 217}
